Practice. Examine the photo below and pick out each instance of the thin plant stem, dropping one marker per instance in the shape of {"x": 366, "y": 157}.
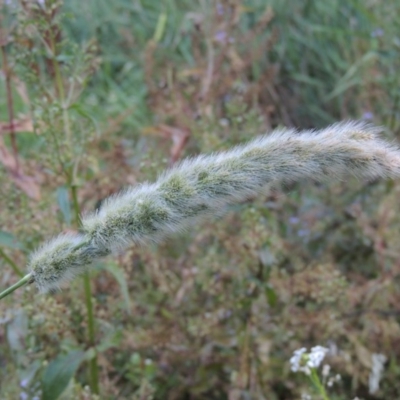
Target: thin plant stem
{"x": 11, "y": 263}
{"x": 60, "y": 90}
{"x": 26, "y": 279}
{"x": 317, "y": 383}
{"x": 10, "y": 104}
{"x": 94, "y": 375}
{"x": 94, "y": 370}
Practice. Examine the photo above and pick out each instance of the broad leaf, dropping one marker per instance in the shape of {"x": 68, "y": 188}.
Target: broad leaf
{"x": 63, "y": 203}
{"x": 8, "y": 239}
{"x": 58, "y": 374}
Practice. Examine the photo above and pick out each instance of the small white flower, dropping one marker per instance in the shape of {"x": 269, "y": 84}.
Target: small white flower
{"x": 325, "y": 370}
{"x": 295, "y": 361}
{"x": 316, "y": 356}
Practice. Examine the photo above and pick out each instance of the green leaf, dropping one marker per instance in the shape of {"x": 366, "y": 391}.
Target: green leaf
{"x": 63, "y": 203}
{"x": 90, "y": 354}
{"x": 8, "y": 239}
{"x": 120, "y": 278}
{"x": 59, "y": 372}
{"x": 17, "y": 331}
{"x": 64, "y": 58}
{"x": 27, "y": 375}
{"x": 111, "y": 339}
{"x": 160, "y": 28}
{"x": 80, "y": 109}
{"x": 271, "y": 295}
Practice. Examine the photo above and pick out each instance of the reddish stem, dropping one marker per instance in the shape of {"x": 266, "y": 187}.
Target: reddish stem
{"x": 10, "y": 105}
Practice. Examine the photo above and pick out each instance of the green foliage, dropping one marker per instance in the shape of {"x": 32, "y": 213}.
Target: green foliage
{"x": 64, "y": 204}
{"x": 58, "y": 374}
{"x": 8, "y": 240}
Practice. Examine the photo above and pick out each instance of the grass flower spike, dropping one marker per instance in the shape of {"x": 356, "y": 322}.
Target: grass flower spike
{"x": 61, "y": 259}
{"x": 207, "y": 184}
{"x": 204, "y": 186}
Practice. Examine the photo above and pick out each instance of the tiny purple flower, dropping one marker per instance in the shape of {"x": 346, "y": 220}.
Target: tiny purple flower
{"x": 378, "y": 32}
{"x": 303, "y": 232}
{"x": 24, "y": 383}
{"x": 368, "y": 115}
{"x": 220, "y": 36}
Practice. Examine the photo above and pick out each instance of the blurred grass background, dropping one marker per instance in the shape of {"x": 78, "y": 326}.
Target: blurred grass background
{"x": 217, "y": 312}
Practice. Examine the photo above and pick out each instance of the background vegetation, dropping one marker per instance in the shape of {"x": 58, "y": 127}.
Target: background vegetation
{"x": 96, "y": 95}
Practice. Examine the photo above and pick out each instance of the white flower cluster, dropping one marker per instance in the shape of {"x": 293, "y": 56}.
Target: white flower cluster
{"x": 378, "y": 362}
{"x": 304, "y": 361}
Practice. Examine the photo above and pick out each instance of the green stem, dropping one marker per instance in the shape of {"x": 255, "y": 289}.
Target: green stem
{"x": 11, "y": 263}
{"x": 75, "y": 203}
{"x": 94, "y": 370}
{"x": 26, "y": 279}
{"x": 60, "y": 90}
{"x": 317, "y": 382}
{"x": 94, "y": 375}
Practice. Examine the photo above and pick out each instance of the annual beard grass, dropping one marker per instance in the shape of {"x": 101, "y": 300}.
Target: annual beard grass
{"x": 204, "y": 186}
